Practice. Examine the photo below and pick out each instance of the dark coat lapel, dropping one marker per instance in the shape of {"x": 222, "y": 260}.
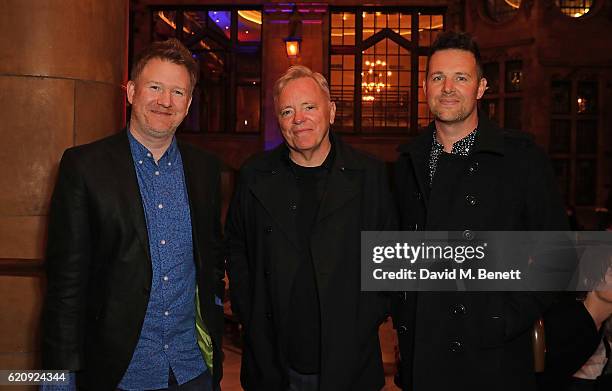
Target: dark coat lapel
{"x": 418, "y": 152}
{"x": 341, "y": 185}
{"x": 123, "y": 166}
{"x": 277, "y": 192}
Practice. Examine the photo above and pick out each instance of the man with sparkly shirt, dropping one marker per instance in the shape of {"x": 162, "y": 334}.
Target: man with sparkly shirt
{"x": 465, "y": 173}
{"x": 134, "y": 256}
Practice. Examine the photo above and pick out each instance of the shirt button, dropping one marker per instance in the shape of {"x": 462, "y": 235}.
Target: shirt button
{"x": 162, "y": 241}
{"x": 156, "y": 172}
{"x": 166, "y": 347}
{"x": 165, "y": 278}
{"x": 166, "y": 313}
{"x": 148, "y": 154}
{"x": 140, "y": 162}
{"x": 169, "y": 163}
{"x": 160, "y": 206}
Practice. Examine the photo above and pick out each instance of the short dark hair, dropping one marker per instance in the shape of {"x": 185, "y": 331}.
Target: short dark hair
{"x": 456, "y": 40}
{"x": 171, "y": 50}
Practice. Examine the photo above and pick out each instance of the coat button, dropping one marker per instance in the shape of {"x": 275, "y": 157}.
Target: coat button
{"x": 402, "y": 329}
{"x": 417, "y": 195}
{"x": 458, "y": 309}
{"x": 293, "y": 207}
{"x": 468, "y": 235}
{"x": 267, "y": 273}
{"x": 342, "y": 168}
{"x": 268, "y": 315}
{"x": 471, "y": 200}
{"x": 473, "y": 167}
{"x": 273, "y": 172}
{"x": 455, "y": 347}
{"x": 268, "y": 230}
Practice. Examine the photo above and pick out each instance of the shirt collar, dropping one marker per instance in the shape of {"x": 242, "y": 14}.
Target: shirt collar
{"x": 141, "y": 153}
{"x": 461, "y": 147}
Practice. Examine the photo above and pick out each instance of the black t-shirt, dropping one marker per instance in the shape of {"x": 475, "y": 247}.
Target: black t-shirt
{"x": 304, "y": 319}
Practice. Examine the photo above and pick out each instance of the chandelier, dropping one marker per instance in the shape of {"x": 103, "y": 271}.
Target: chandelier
{"x": 373, "y": 80}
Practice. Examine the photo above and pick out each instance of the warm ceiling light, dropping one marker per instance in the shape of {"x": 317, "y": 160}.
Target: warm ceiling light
{"x": 293, "y": 47}
{"x": 251, "y": 16}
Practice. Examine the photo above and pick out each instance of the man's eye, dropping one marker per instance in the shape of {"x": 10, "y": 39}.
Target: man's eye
{"x": 436, "y": 78}
{"x": 154, "y": 88}
{"x": 310, "y": 107}
{"x": 179, "y": 93}
{"x": 285, "y": 113}
{"x": 461, "y": 78}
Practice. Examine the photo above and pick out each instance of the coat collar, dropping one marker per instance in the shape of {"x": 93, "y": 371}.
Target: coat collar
{"x": 276, "y": 190}
{"x": 278, "y": 157}
{"x": 490, "y": 139}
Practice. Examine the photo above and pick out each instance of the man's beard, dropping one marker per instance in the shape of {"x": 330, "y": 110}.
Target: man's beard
{"x": 458, "y": 115}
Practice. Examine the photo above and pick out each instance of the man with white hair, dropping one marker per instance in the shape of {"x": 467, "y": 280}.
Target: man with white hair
{"x": 293, "y": 231}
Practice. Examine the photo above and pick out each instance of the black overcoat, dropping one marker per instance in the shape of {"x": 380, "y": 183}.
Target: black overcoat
{"x": 264, "y": 256}
{"x": 473, "y": 340}
{"x": 98, "y": 264}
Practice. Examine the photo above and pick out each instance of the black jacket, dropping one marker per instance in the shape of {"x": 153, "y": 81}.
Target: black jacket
{"x": 471, "y": 340}
{"x": 98, "y": 263}
{"x": 264, "y": 256}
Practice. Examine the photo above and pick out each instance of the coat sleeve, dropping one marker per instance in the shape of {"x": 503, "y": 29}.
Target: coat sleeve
{"x": 571, "y": 336}
{"x": 237, "y": 257}
{"x": 68, "y": 256}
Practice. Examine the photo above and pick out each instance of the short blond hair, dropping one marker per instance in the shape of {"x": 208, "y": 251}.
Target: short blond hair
{"x": 298, "y": 72}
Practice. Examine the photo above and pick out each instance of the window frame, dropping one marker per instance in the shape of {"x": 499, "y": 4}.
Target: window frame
{"x": 232, "y": 51}
{"x": 412, "y": 46}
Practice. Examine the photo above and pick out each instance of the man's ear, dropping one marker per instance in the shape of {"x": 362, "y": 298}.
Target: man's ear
{"x": 332, "y": 112}
{"x": 425, "y": 86}
{"x": 482, "y": 87}
{"x": 131, "y": 89}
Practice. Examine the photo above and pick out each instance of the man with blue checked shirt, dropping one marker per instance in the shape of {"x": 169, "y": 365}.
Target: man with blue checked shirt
{"x": 134, "y": 255}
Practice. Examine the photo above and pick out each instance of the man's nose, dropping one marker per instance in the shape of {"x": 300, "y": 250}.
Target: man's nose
{"x": 298, "y": 118}
{"x": 165, "y": 98}
{"x": 448, "y": 85}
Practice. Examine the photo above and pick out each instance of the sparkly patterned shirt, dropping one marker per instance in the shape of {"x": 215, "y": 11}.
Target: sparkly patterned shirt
{"x": 461, "y": 147}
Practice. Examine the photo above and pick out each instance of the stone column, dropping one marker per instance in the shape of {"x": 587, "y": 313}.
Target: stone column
{"x": 62, "y": 68}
